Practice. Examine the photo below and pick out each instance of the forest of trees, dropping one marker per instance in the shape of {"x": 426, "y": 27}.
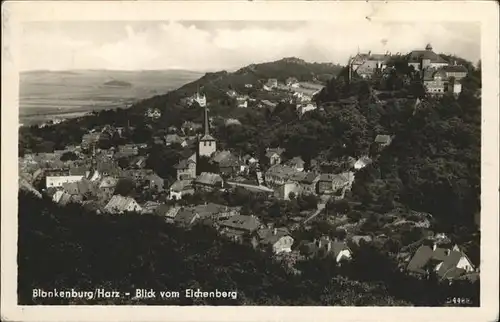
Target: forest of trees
{"x": 69, "y": 247}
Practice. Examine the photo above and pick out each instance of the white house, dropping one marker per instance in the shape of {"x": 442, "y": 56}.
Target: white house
{"x": 120, "y": 204}
{"x": 58, "y": 181}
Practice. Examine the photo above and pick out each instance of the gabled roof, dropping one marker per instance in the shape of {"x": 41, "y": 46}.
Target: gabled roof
{"x": 119, "y": 203}
{"x": 242, "y": 222}
{"x": 281, "y": 171}
{"x": 167, "y": 211}
{"x": 184, "y": 164}
{"x": 271, "y": 151}
{"x": 173, "y": 138}
{"x": 417, "y": 55}
{"x": 383, "y": 139}
{"x": 296, "y": 161}
{"x": 181, "y": 185}
{"x": 208, "y": 178}
{"x": 448, "y": 258}
{"x": 455, "y": 69}
{"x": 310, "y": 178}
{"x": 211, "y": 209}
{"x": 270, "y": 236}
{"x": 78, "y": 171}
{"x": 185, "y": 217}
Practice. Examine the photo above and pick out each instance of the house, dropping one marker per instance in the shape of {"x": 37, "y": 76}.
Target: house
{"x": 186, "y": 218}
{"x": 287, "y": 189}
{"x": 175, "y": 139}
{"x": 81, "y": 187}
{"x": 248, "y": 86}
{"x": 277, "y": 240}
{"x": 198, "y": 98}
{"x": 271, "y": 83}
{"x": 362, "y": 162}
{"x": 366, "y": 64}
{"x": 168, "y": 212}
{"x": 422, "y": 59}
{"x": 434, "y": 81}
{"x": 59, "y": 181}
{"x": 63, "y": 198}
{"x": 139, "y": 162}
{"x": 292, "y": 82}
{"x": 383, "y": 140}
{"x": 324, "y": 247}
{"x": 207, "y": 181}
{"x": 268, "y": 104}
{"x": 330, "y": 183}
{"x": 239, "y": 226}
{"x": 303, "y": 95}
{"x": 248, "y": 159}
{"x": 154, "y": 181}
{"x": 108, "y": 185}
{"x": 279, "y": 174}
{"x": 456, "y": 71}
{"x": 180, "y": 188}
{"x": 149, "y": 207}
{"x": 297, "y": 163}
{"x": 89, "y": 140}
{"x": 309, "y": 183}
{"x": 242, "y": 101}
{"x": 274, "y": 155}
{"x": 127, "y": 150}
{"x": 226, "y": 162}
{"x": 120, "y": 204}
{"x": 454, "y": 87}
{"x": 186, "y": 169}
{"x": 447, "y": 263}
{"x": 216, "y": 212}
{"x": 153, "y": 113}
{"x": 303, "y": 108}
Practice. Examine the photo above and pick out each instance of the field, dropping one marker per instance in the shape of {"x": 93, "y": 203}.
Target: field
{"x": 50, "y": 94}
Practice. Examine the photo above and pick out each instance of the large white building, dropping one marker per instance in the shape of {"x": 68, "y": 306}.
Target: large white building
{"x": 423, "y": 59}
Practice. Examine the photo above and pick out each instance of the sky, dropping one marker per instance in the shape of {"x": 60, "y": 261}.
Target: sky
{"x": 228, "y": 45}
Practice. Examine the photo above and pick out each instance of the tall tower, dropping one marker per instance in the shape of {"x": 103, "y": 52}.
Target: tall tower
{"x": 206, "y": 145}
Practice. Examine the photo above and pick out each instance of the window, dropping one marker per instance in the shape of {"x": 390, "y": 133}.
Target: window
{"x": 204, "y": 143}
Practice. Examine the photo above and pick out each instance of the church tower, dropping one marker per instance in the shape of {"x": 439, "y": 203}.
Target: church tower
{"x": 207, "y": 144}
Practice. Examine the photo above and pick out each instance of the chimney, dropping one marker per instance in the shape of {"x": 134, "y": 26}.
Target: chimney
{"x": 434, "y": 246}
{"x": 275, "y": 231}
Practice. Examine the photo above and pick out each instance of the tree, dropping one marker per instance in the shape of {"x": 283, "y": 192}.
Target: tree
{"x": 125, "y": 187}
{"x": 123, "y": 162}
{"x": 69, "y": 156}
{"x": 354, "y": 216}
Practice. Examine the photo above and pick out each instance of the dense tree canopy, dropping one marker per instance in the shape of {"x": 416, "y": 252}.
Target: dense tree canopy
{"x": 70, "y": 247}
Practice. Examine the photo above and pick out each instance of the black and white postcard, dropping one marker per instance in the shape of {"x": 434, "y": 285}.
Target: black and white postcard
{"x": 250, "y": 161}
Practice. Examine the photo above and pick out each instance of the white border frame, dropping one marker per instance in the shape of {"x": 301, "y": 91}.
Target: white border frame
{"x": 486, "y": 12}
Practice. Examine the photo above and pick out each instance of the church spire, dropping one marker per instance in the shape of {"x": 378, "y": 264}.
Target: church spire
{"x": 207, "y": 123}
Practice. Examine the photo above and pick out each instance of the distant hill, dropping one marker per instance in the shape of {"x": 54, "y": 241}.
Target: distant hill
{"x": 215, "y": 84}
{"x": 118, "y": 83}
